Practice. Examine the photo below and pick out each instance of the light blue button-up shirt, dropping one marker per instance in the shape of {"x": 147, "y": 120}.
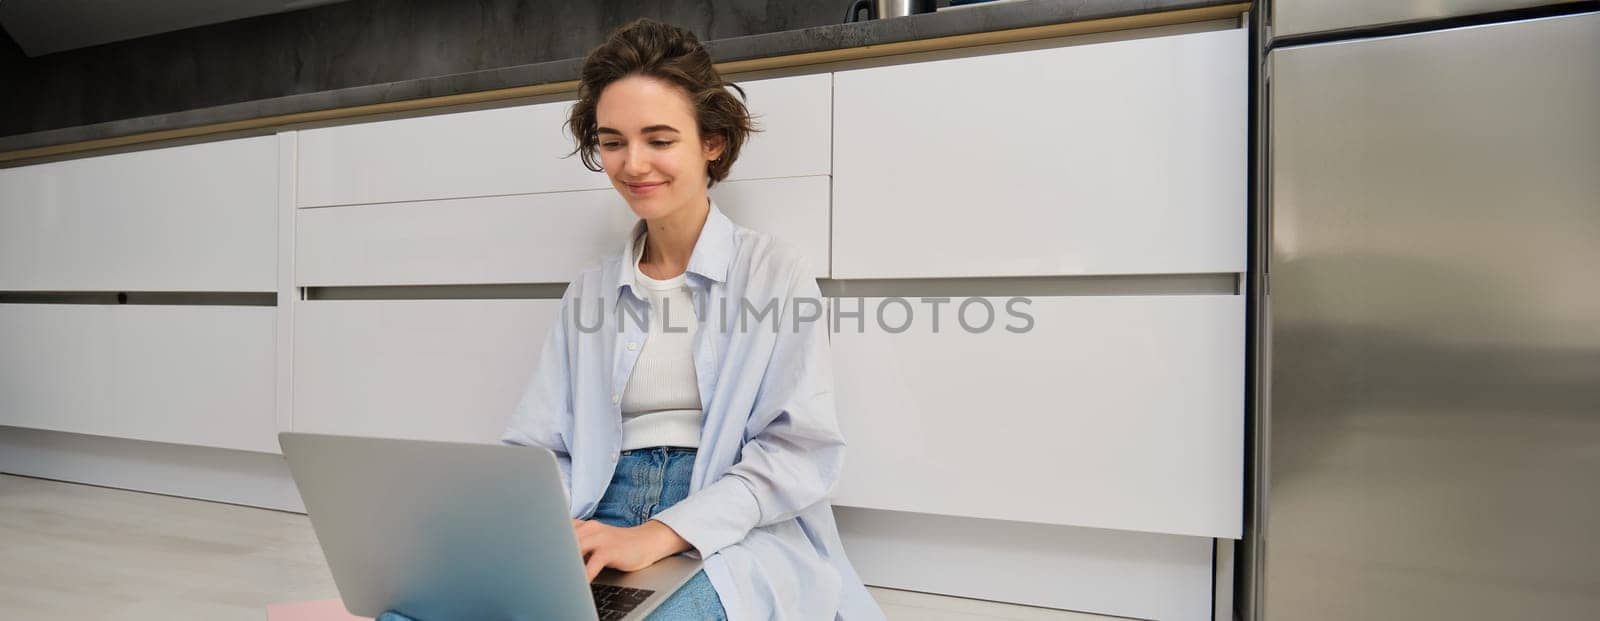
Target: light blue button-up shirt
{"x": 770, "y": 449}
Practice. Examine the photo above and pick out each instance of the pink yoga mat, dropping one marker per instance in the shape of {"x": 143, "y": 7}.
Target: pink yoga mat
{"x": 324, "y": 610}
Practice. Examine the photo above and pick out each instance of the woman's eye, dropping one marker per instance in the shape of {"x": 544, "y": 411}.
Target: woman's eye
{"x": 610, "y": 145}
{"x": 661, "y": 143}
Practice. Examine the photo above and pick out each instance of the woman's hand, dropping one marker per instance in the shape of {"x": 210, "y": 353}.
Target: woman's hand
{"x": 625, "y": 549}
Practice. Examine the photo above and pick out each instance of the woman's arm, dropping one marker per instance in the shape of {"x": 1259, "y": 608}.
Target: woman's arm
{"x": 795, "y": 451}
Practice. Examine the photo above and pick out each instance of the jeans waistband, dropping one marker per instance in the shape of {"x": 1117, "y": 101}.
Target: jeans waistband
{"x": 664, "y": 449}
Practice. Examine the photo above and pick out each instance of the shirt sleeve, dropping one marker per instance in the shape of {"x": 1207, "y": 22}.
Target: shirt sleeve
{"x": 794, "y": 453}
{"x": 543, "y": 415}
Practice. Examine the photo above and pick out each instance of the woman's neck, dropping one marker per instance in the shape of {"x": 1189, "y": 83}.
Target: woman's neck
{"x": 670, "y": 240}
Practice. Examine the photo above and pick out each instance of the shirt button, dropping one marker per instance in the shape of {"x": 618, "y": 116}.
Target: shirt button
{"x": 616, "y": 398}
{"x": 633, "y": 346}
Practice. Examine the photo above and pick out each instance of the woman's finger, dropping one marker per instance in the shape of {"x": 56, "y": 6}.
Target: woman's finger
{"x": 593, "y": 566}
{"x": 587, "y": 542}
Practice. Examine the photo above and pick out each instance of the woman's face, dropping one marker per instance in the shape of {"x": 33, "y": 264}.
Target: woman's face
{"x": 650, "y": 146}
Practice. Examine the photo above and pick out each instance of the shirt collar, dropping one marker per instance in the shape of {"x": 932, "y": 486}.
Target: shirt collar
{"x": 713, "y": 250}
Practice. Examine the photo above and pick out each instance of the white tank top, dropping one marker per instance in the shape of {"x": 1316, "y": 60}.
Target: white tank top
{"x": 661, "y": 402}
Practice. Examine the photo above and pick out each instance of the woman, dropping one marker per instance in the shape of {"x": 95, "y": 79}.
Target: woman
{"x": 690, "y": 409}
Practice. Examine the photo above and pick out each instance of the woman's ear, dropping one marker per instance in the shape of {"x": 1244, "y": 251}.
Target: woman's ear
{"x": 712, "y": 147}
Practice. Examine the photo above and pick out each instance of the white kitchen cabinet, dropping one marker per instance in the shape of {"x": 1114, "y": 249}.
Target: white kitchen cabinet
{"x": 794, "y": 115}
{"x": 498, "y": 239}
{"x": 527, "y": 238}
{"x": 198, "y": 375}
{"x": 523, "y": 150}
{"x": 515, "y": 150}
{"x": 196, "y": 217}
{"x": 1095, "y": 570}
{"x": 795, "y": 211}
{"x": 1125, "y": 157}
{"x": 423, "y": 369}
{"x": 1121, "y": 412}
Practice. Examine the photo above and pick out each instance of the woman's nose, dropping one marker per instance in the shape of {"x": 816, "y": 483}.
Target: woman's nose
{"x": 636, "y": 164}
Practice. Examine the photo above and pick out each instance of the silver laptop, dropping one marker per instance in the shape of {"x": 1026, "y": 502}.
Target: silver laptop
{"x": 442, "y": 531}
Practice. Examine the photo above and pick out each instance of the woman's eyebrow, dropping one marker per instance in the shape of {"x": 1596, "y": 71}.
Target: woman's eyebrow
{"x": 652, "y": 128}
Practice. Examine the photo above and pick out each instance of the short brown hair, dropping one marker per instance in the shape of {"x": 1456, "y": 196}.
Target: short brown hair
{"x": 650, "y": 48}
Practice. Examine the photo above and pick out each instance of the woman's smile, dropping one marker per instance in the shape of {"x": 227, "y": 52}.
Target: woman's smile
{"x": 645, "y": 189}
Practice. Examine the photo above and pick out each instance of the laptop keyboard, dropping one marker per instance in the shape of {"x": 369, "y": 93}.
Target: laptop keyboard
{"x": 615, "y": 602}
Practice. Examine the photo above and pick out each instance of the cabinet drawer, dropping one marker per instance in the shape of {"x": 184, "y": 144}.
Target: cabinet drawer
{"x": 1113, "y": 158}
{"x": 793, "y": 210}
{"x": 197, "y": 217}
{"x": 494, "y": 152}
{"x": 525, "y": 238}
{"x": 523, "y": 149}
{"x": 794, "y": 115}
{"x": 497, "y": 239}
{"x": 424, "y": 369}
{"x": 1110, "y": 412}
{"x": 194, "y": 375}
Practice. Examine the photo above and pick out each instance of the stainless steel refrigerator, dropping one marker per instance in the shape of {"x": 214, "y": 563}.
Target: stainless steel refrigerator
{"x": 1426, "y": 421}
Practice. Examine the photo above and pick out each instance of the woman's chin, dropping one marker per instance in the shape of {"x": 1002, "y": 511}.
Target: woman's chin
{"x": 643, "y": 212}
{"x": 647, "y": 208}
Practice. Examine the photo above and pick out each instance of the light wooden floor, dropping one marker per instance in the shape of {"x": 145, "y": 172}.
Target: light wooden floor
{"x": 80, "y": 552}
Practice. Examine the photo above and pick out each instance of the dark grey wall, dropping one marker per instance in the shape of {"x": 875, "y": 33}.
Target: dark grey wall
{"x": 341, "y": 45}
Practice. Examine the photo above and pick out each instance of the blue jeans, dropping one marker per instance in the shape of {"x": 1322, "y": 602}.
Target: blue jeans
{"x": 648, "y": 481}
